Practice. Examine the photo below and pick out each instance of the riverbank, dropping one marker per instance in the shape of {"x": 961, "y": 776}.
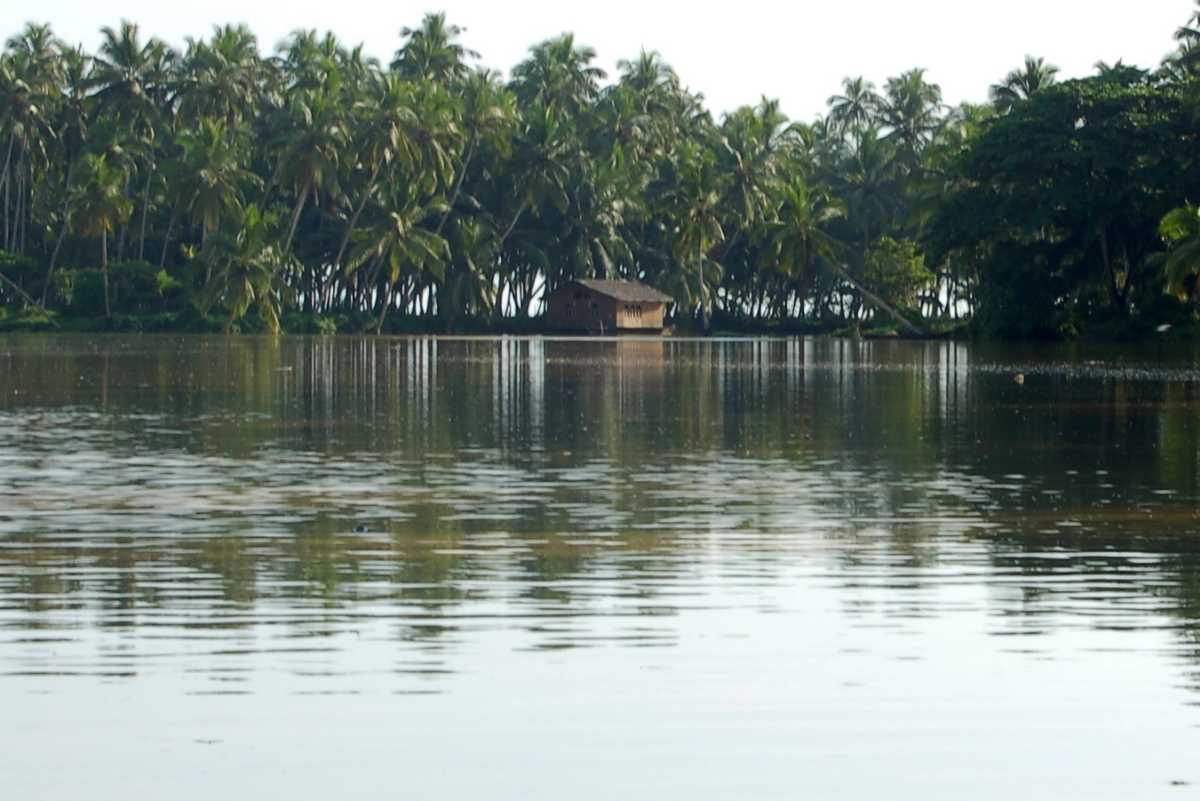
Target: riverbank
{"x": 191, "y": 321}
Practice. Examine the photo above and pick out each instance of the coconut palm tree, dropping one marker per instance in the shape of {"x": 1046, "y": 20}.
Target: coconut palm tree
{"x": 697, "y": 188}
{"x": 390, "y": 130}
{"x": 911, "y": 112}
{"x": 432, "y": 52}
{"x": 214, "y": 180}
{"x": 222, "y": 78}
{"x": 246, "y": 262}
{"x": 312, "y": 142}
{"x": 398, "y": 243}
{"x": 855, "y": 109}
{"x": 559, "y": 75}
{"x": 99, "y": 206}
{"x": 797, "y": 239}
{"x": 1022, "y": 84}
{"x": 1180, "y": 229}
{"x": 72, "y": 134}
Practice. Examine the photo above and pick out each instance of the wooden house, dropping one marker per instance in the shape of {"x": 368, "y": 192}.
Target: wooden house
{"x": 607, "y": 307}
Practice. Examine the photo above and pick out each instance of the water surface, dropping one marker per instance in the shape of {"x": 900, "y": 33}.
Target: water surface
{"x": 596, "y": 569}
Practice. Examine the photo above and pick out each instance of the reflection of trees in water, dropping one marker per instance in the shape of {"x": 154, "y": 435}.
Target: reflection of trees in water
{"x": 556, "y": 477}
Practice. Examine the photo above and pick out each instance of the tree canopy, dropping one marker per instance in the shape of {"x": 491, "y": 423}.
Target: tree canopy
{"x": 269, "y": 191}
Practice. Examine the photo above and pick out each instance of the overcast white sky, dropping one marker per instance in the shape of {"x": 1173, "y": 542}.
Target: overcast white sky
{"x": 733, "y": 52}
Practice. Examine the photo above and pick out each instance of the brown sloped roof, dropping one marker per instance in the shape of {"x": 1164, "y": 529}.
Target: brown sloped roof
{"x": 626, "y": 291}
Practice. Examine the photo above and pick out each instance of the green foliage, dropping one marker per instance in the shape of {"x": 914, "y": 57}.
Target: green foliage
{"x": 896, "y": 271}
{"x": 1063, "y": 196}
{"x": 136, "y": 288}
{"x": 318, "y": 184}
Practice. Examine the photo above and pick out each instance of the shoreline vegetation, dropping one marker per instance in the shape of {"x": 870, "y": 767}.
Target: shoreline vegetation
{"x": 318, "y": 190}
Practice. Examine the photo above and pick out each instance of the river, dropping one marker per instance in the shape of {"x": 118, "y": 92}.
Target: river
{"x": 515, "y": 569}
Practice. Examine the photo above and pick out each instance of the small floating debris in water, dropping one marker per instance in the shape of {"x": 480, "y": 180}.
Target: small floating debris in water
{"x": 1020, "y": 378}
{"x": 362, "y": 528}
{"x": 1164, "y": 328}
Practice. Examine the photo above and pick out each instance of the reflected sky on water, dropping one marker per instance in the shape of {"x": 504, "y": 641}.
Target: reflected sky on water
{"x": 517, "y": 568}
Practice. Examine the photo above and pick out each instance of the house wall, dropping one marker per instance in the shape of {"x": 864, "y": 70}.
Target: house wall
{"x": 576, "y": 308}
{"x": 640, "y": 316}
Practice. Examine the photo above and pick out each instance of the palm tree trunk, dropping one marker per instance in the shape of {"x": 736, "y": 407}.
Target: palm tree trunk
{"x": 513, "y": 225}
{"x": 362, "y": 204}
{"x": 458, "y": 183}
{"x": 300, "y": 201}
{"x": 387, "y": 302}
{"x": 145, "y": 210}
{"x": 5, "y": 183}
{"x": 162, "y": 258}
{"x": 104, "y": 270}
{"x": 62, "y": 234}
{"x": 874, "y": 299}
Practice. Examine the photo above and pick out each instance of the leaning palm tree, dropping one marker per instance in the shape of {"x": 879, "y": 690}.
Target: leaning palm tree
{"x": 100, "y": 206}
{"x": 1022, "y": 84}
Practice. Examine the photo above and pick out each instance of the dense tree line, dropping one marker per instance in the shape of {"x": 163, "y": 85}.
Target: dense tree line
{"x": 217, "y": 186}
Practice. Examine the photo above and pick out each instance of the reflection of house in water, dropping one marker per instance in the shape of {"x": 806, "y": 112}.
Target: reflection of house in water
{"x": 592, "y": 359}
{"x": 607, "y": 307}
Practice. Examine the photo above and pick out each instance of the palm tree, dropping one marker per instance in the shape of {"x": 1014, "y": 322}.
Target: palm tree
{"x": 911, "y": 112}
{"x": 29, "y": 89}
{"x": 796, "y": 239}
{"x": 1180, "y": 229}
{"x": 246, "y": 269}
{"x": 312, "y": 143}
{"x": 432, "y": 52}
{"x": 391, "y": 129}
{"x": 73, "y": 126}
{"x": 1188, "y": 37}
{"x": 100, "y": 206}
{"x": 213, "y": 181}
{"x": 696, "y": 197}
{"x": 398, "y": 243}
{"x": 559, "y": 75}
{"x": 486, "y": 116}
{"x": 1022, "y": 84}
{"x": 752, "y": 143}
{"x": 222, "y": 78}
{"x": 132, "y": 83}
{"x": 854, "y": 110}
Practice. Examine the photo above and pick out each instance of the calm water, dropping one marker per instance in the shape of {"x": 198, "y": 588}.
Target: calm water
{"x": 529, "y": 569}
